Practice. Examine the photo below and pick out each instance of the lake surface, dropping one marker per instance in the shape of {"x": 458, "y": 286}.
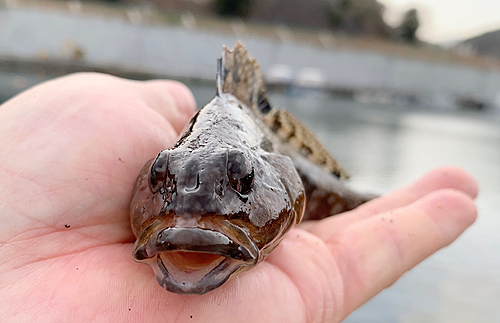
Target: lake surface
{"x": 385, "y": 147}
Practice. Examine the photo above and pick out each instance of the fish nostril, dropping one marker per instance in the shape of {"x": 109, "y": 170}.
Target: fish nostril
{"x": 197, "y": 185}
{"x": 240, "y": 172}
{"x": 219, "y": 190}
{"x": 158, "y": 172}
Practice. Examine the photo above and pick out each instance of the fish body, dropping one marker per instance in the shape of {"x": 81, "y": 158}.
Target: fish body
{"x": 224, "y": 196}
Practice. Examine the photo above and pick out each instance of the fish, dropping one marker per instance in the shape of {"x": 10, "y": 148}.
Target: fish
{"x": 241, "y": 175}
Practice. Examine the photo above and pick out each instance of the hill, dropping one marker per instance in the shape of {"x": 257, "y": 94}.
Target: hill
{"x": 487, "y": 44}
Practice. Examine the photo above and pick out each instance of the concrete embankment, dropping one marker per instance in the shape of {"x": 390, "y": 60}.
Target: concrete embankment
{"x": 37, "y": 42}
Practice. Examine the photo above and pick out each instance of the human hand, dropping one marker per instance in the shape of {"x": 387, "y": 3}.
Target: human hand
{"x": 71, "y": 151}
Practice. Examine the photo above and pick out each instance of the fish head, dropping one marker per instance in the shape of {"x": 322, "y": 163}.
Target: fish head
{"x": 203, "y": 214}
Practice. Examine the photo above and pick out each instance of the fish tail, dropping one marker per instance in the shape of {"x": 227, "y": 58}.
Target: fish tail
{"x": 240, "y": 75}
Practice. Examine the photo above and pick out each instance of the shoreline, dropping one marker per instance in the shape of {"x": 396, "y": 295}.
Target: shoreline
{"x": 51, "y": 42}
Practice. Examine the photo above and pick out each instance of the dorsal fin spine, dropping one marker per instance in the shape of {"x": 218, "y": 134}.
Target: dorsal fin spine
{"x": 219, "y": 77}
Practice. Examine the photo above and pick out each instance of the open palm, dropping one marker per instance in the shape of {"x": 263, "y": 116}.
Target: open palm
{"x": 70, "y": 153}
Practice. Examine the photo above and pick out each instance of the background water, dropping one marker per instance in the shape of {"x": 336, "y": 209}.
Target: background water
{"x": 387, "y": 146}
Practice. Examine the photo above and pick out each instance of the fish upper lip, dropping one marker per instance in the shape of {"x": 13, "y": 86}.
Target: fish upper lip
{"x": 197, "y": 240}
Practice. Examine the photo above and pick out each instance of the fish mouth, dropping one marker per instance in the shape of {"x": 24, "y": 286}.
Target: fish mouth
{"x": 195, "y": 260}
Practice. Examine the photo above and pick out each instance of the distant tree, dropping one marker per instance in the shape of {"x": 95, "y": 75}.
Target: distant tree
{"x": 238, "y": 8}
{"x": 409, "y": 26}
{"x": 336, "y": 14}
{"x": 335, "y": 18}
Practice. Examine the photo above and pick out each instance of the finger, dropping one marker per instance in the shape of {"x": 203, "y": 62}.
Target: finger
{"x": 373, "y": 253}
{"x": 439, "y": 178}
{"x": 307, "y": 262}
{"x": 436, "y": 179}
{"x": 171, "y": 99}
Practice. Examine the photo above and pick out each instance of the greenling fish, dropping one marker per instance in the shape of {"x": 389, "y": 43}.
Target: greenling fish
{"x": 239, "y": 178}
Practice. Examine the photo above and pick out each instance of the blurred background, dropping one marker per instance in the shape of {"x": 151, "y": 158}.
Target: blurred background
{"x": 392, "y": 87}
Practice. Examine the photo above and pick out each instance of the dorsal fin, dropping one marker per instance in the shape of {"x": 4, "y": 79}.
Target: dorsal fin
{"x": 292, "y": 131}
{"x": 239, "y": 74}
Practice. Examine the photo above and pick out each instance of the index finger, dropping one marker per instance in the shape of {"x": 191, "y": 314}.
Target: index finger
{"x": 373, "y": 253}
{"x": 447, "y": 177}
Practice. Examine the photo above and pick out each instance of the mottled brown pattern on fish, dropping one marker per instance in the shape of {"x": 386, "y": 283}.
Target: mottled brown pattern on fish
{"x": 291, "y": 130}
{"x": 242, "y": 77}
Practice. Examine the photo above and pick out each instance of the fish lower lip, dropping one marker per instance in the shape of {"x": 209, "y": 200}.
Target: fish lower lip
{"x": 193, "y": 282}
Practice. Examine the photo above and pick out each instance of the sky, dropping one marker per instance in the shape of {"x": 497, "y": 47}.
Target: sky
{"x": 444, "y": 21}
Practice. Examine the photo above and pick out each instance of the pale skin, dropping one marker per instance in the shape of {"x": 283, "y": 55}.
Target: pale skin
{"x": 70, "y": 153}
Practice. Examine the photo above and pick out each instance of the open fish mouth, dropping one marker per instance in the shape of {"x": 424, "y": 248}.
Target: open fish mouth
{"x": 195, "y": 260}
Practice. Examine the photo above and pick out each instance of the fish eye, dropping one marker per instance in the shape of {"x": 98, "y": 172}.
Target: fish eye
{"x": 158, "y": 172}
{"x": 240, "y": 171}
